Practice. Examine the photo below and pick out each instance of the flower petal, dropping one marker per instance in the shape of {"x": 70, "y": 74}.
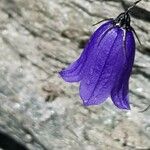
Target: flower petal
{"x": 74, "y": 72}
{"x": 119, "y": 93}
{"x": 96, "y": 86}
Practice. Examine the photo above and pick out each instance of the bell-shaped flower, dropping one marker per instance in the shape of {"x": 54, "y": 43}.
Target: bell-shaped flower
{"x": 105, "y": 65}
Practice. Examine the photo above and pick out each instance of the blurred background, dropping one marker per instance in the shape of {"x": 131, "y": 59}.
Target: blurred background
{"x": 38, "y": 110}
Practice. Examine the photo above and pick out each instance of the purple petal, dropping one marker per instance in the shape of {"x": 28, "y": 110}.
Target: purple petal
{"x": 120, "y": 91}
{"x": 75, "y": 71}
{"x": 102, "y": 68}
{"x": 72, "y": 73}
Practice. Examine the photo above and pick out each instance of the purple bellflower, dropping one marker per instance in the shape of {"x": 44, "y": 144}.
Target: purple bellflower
{"x": 105, "y": 65}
